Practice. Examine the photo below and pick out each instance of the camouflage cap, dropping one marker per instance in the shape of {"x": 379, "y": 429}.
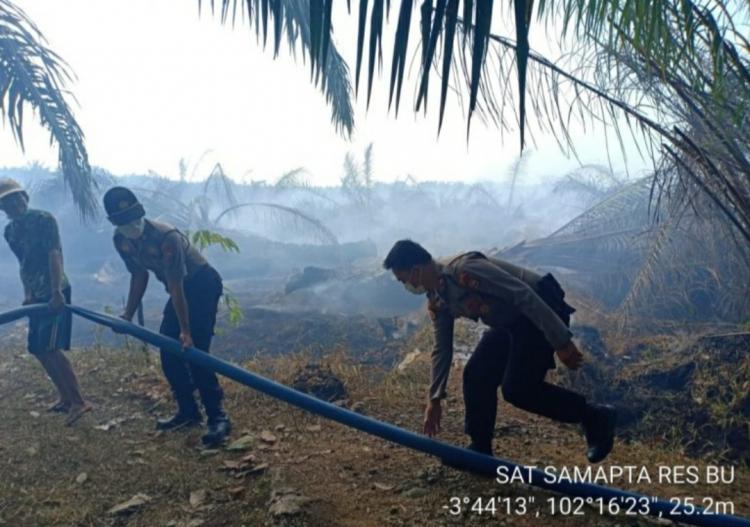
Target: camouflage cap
{"x": 122, "y": 206}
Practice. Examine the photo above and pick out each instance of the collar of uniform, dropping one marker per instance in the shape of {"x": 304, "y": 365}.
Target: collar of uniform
{"x": 440, "y": 291}
{"x": 149, "y": 230}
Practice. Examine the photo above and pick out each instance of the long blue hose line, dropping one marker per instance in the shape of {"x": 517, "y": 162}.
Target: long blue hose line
{"x": 452, "y": 455}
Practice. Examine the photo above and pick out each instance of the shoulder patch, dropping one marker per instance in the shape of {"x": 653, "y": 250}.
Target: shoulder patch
{"x": 125, "y": 247}
{"x": 468, "y": 280}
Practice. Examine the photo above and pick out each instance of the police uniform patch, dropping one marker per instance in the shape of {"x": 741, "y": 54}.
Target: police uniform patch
{"x": 168, "y": 253}
{"x": 125, "y": 247}
{"x": 468, "y": 280}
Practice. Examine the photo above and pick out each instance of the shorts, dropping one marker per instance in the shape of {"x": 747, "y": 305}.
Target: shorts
{"x": 50, "y": 332}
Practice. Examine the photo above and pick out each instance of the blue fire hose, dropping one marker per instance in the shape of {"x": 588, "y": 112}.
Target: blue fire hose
{"x": 612, "y": 499}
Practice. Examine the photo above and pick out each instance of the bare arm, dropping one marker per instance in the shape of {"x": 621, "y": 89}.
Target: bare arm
{"x": 175, "y": 271}
{"x": 138, "y": 284}
{"x": 177, "y": 294}
{"x": 56, "y": 270}
{"x": 55, "y": 260}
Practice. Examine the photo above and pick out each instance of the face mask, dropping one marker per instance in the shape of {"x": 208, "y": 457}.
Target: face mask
{"x": 415, "y": 289}
{"x": 132, "y": 230}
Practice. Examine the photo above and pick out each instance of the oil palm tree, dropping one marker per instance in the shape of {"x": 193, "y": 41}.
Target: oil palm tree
{"x": 694, "y": 53}
{"x": 32, "y": 75}
{"x": 649, "y": 26}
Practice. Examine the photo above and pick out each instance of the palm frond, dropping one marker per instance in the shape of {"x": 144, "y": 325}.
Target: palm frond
{"x": 516, "y": 168}
{"x": 400, "y": 47}
{"x": 222, "y": 185}
{"x": 676, "y": 71}
{"x": 292, "y": 179}
{"x": 652, "y": 27}
{"x": 32, "y": 74}
{"x": 293, "y": 19}
{"x": 626, "y": 208}
{"x": 594, "y": 181}
{"x": 299, "y": 219}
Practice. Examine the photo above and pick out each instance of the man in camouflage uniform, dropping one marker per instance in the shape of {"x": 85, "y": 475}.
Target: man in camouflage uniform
{"x": 528, "y": 323}
{"x": 34, "y": 238}
{"x": 194, "y": 289}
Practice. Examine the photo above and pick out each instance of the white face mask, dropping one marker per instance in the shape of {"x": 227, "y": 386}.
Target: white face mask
{"x": 132, "y": 230}
{"x": 415, "y": 289}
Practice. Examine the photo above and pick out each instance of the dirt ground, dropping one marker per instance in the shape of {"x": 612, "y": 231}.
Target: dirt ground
{"x": 294, "y": 468}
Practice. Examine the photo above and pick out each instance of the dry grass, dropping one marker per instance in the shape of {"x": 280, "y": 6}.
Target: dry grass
{"x": 352, "y": 479}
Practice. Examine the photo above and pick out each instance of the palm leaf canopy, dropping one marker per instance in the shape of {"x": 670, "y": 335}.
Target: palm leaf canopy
{"x": 33, "y": 75}
{"x": 649, "y": 26}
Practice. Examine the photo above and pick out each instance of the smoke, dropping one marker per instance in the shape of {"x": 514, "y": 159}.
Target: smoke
{"x": 282, "y": 229}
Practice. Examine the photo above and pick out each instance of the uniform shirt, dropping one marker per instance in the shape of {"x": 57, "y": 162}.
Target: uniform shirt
{"x": 487, "y": 289}
{"x": 161, "y": 249}
{"x": 31, "y": 237}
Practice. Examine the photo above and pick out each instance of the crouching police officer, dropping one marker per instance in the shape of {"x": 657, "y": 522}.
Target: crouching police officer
{"x": 528, "y": 322}
{"x": 194, "y": 289}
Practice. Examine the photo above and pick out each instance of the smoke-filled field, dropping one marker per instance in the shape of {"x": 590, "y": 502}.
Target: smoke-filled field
{"x": 661, "y": 324}
{"x": 316, "y": 263}
{"x": 300, "y": 248}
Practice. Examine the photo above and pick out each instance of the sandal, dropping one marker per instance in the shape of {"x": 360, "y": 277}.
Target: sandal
{"x": 77, "y": 412}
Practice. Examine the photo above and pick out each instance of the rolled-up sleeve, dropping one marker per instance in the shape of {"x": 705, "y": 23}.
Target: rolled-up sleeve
{"x": 490, "y": 279}
{"x": 442, "y": 352}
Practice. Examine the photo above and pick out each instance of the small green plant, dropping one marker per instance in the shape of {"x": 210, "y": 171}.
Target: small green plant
{"x": 234, "y": 309}
{"x": 204, "y": 238}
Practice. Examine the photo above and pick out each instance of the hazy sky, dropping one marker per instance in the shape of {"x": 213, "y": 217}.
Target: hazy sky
{"x": 156, "y": 83}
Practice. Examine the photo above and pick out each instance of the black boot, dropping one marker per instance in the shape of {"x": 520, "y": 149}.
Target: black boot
{"x": 218, "y": 431}
{"x": 599, "y": 428}
{"x": 187, "y": 415}
{"x": 178, "y": 420}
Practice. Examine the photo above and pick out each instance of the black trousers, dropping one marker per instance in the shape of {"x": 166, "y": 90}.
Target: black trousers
{"x": 517, "y": 358}
{"x": 202, "y": 293}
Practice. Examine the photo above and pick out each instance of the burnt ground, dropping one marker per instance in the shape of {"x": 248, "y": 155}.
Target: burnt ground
{"x": 53, "y": 475}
